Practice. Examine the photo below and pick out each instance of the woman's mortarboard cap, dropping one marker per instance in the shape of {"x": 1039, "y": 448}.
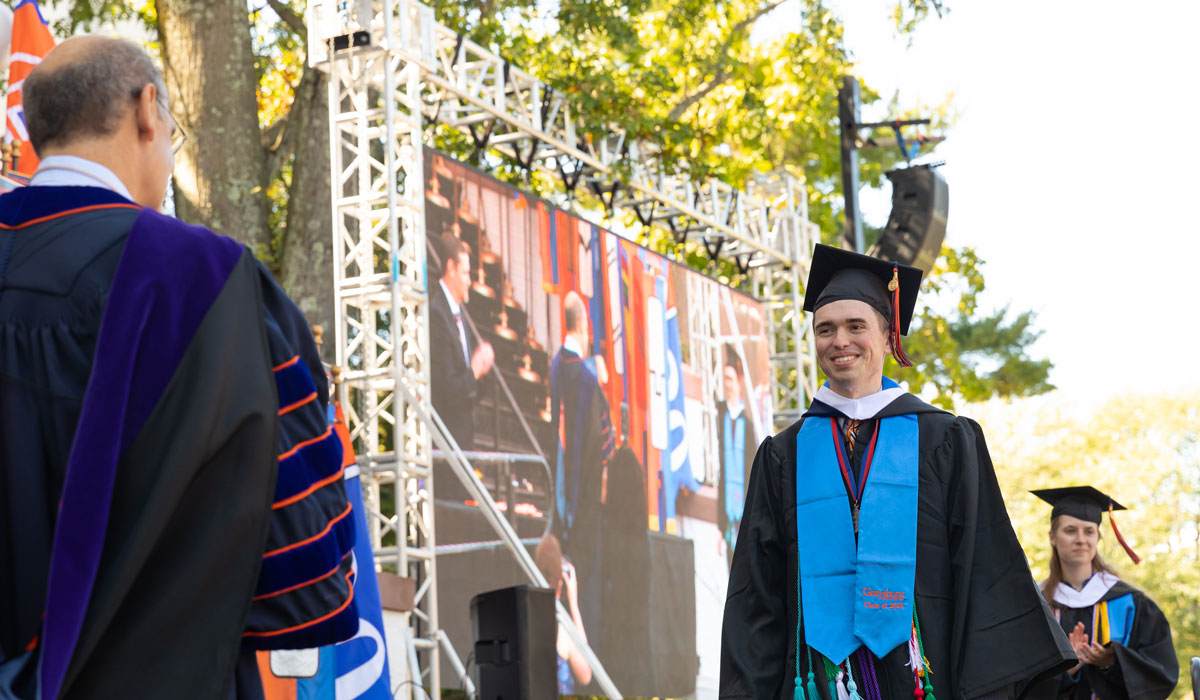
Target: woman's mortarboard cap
{"x": 1083, "y": 502}
{"x": 1086, "y": 503}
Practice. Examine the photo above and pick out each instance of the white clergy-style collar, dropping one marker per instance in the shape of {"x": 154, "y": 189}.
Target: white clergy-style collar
{"x": 1097, "y": 586}
{"x": 73, "y": 171}
{"x": 570, "y": 343}
{"x": 858, "y": 409}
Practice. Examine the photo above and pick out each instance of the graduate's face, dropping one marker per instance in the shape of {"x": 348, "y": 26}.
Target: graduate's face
{"x": 1075, "y": 540}
{"x": 851, "y": 346}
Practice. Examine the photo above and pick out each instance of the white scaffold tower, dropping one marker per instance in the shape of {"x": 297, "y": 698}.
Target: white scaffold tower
{"x": 392, "y": 69}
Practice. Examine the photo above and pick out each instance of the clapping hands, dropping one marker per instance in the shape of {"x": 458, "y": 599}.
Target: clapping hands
{"x": 1091, "y": 654}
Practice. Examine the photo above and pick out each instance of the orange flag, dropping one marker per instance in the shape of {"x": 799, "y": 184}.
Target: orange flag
{"x": 31, "y": 41}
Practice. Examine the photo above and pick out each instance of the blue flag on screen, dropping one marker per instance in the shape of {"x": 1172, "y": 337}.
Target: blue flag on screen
{"x": 677, "y": 468}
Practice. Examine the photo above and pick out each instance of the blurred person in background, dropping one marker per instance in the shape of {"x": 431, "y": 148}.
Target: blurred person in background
{"x": 573, "y": 669}
{"x": 1122, "y": 639}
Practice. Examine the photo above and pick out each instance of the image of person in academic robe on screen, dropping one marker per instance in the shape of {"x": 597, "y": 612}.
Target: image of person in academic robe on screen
{"x": 736, "y": 445}
{"x": 875, "y": 558}
{"x": 580, "y": 417}
{"x": 457, "y": 362}
{"x": 1122, "y": 639}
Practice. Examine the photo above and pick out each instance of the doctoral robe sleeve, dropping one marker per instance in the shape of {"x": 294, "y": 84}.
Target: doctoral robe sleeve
{"x": 1001, "y": 632}
{"x": 305, "y": 593}
{"x": 756, "y": 628}
{"x": 1146, "y": 668}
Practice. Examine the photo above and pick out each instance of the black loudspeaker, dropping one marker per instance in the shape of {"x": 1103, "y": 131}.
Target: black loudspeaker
{"x": 917, "y": 225}
{"x": 515, "y": 633}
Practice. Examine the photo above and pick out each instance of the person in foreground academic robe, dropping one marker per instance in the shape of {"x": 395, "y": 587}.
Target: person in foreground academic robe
{"x": 875, "y": 558}
{"x": 736, "y": 446}
{"x": 1122, "y": 639}
{"x": 580, "y": 418}
{"x": 171, "y": 497}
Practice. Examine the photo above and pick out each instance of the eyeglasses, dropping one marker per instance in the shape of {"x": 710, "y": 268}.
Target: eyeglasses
{"x": 178, "y": 135}
{"x": 178, "y": 138}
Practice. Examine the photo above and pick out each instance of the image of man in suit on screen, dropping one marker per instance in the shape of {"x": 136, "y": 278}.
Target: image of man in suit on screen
{"x": 736, "y": 446}
{"x": 586, "y": 443}
{"x": 457, "y": 362}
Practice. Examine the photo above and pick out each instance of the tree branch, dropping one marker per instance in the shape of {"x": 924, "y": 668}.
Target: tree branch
{"x": 751, "y": 19}
{"x": 277, "y": 142}
{"x": 684, "y": 105}
{"x": 722, "y": 73}
{"x": 289, "y": 16}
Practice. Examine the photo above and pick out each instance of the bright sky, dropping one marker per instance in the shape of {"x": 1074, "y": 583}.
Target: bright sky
{"x": 1072, "y": 169}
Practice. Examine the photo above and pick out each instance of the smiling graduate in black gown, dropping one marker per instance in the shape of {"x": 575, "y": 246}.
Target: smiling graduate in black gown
{"x": 875, "y": 557}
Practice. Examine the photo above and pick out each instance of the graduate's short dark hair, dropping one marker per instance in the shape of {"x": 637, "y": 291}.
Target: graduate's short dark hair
{"x": 449, "y": 247}
{"x": 88, "y": 96}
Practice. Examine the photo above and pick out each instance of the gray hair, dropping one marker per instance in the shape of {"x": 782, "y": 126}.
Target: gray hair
{"x": 88, "y": 96}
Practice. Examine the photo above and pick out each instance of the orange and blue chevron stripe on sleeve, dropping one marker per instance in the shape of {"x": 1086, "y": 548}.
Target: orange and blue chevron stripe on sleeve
{"x": 305, "y": 592}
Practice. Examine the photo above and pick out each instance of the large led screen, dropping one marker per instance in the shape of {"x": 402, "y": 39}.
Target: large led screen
{"x": 612, "y": 401}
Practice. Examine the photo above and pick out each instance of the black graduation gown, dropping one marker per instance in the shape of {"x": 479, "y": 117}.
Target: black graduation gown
{"x": 1145, "y": 668}
{"x": 453, "y": 385}
{"x": 983, "y": 621}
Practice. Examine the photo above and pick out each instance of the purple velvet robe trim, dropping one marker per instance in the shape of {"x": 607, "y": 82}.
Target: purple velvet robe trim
{"x": 168, "y": 277}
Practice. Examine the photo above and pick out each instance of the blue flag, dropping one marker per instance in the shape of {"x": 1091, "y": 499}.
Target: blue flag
{"x": 676, "y": 466}
{"x": 361, "y": 663}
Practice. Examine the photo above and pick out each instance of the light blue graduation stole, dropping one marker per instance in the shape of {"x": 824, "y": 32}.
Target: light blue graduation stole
{"x": 735, "y": 466}
{"x": 853, "y": 596}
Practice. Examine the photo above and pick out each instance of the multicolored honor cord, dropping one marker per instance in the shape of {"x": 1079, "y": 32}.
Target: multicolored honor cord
{"x": 919, "y": 663}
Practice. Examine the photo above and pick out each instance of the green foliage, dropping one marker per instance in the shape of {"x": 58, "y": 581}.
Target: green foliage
{"x": 908, "y": 14}
{"x": 1145, "y": 451}
{"x": 964, "y": 354}
{"x": 90, "y": 15}
{"x": 684, "y": 77}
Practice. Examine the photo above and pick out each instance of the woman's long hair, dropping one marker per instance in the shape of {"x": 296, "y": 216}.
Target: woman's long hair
{"x": 1051, "y": 584}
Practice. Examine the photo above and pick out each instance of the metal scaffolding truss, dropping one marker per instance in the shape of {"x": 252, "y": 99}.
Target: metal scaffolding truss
{"x": 394, "y": 70}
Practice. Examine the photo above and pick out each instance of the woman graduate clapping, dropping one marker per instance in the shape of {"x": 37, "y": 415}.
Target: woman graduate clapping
{"x": 1122, "y": 639}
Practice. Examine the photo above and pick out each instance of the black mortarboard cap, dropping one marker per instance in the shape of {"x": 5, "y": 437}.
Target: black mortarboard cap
{"x": 1086, "y": 503}
{"x": 837, "y": 274}
{"x": 1083, "y": 502}
{"x": 888, "y": 287}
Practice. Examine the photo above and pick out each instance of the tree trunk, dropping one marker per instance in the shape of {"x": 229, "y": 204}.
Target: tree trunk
{"x": 220, "y": 174}
{"x": 306, "y": 263}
